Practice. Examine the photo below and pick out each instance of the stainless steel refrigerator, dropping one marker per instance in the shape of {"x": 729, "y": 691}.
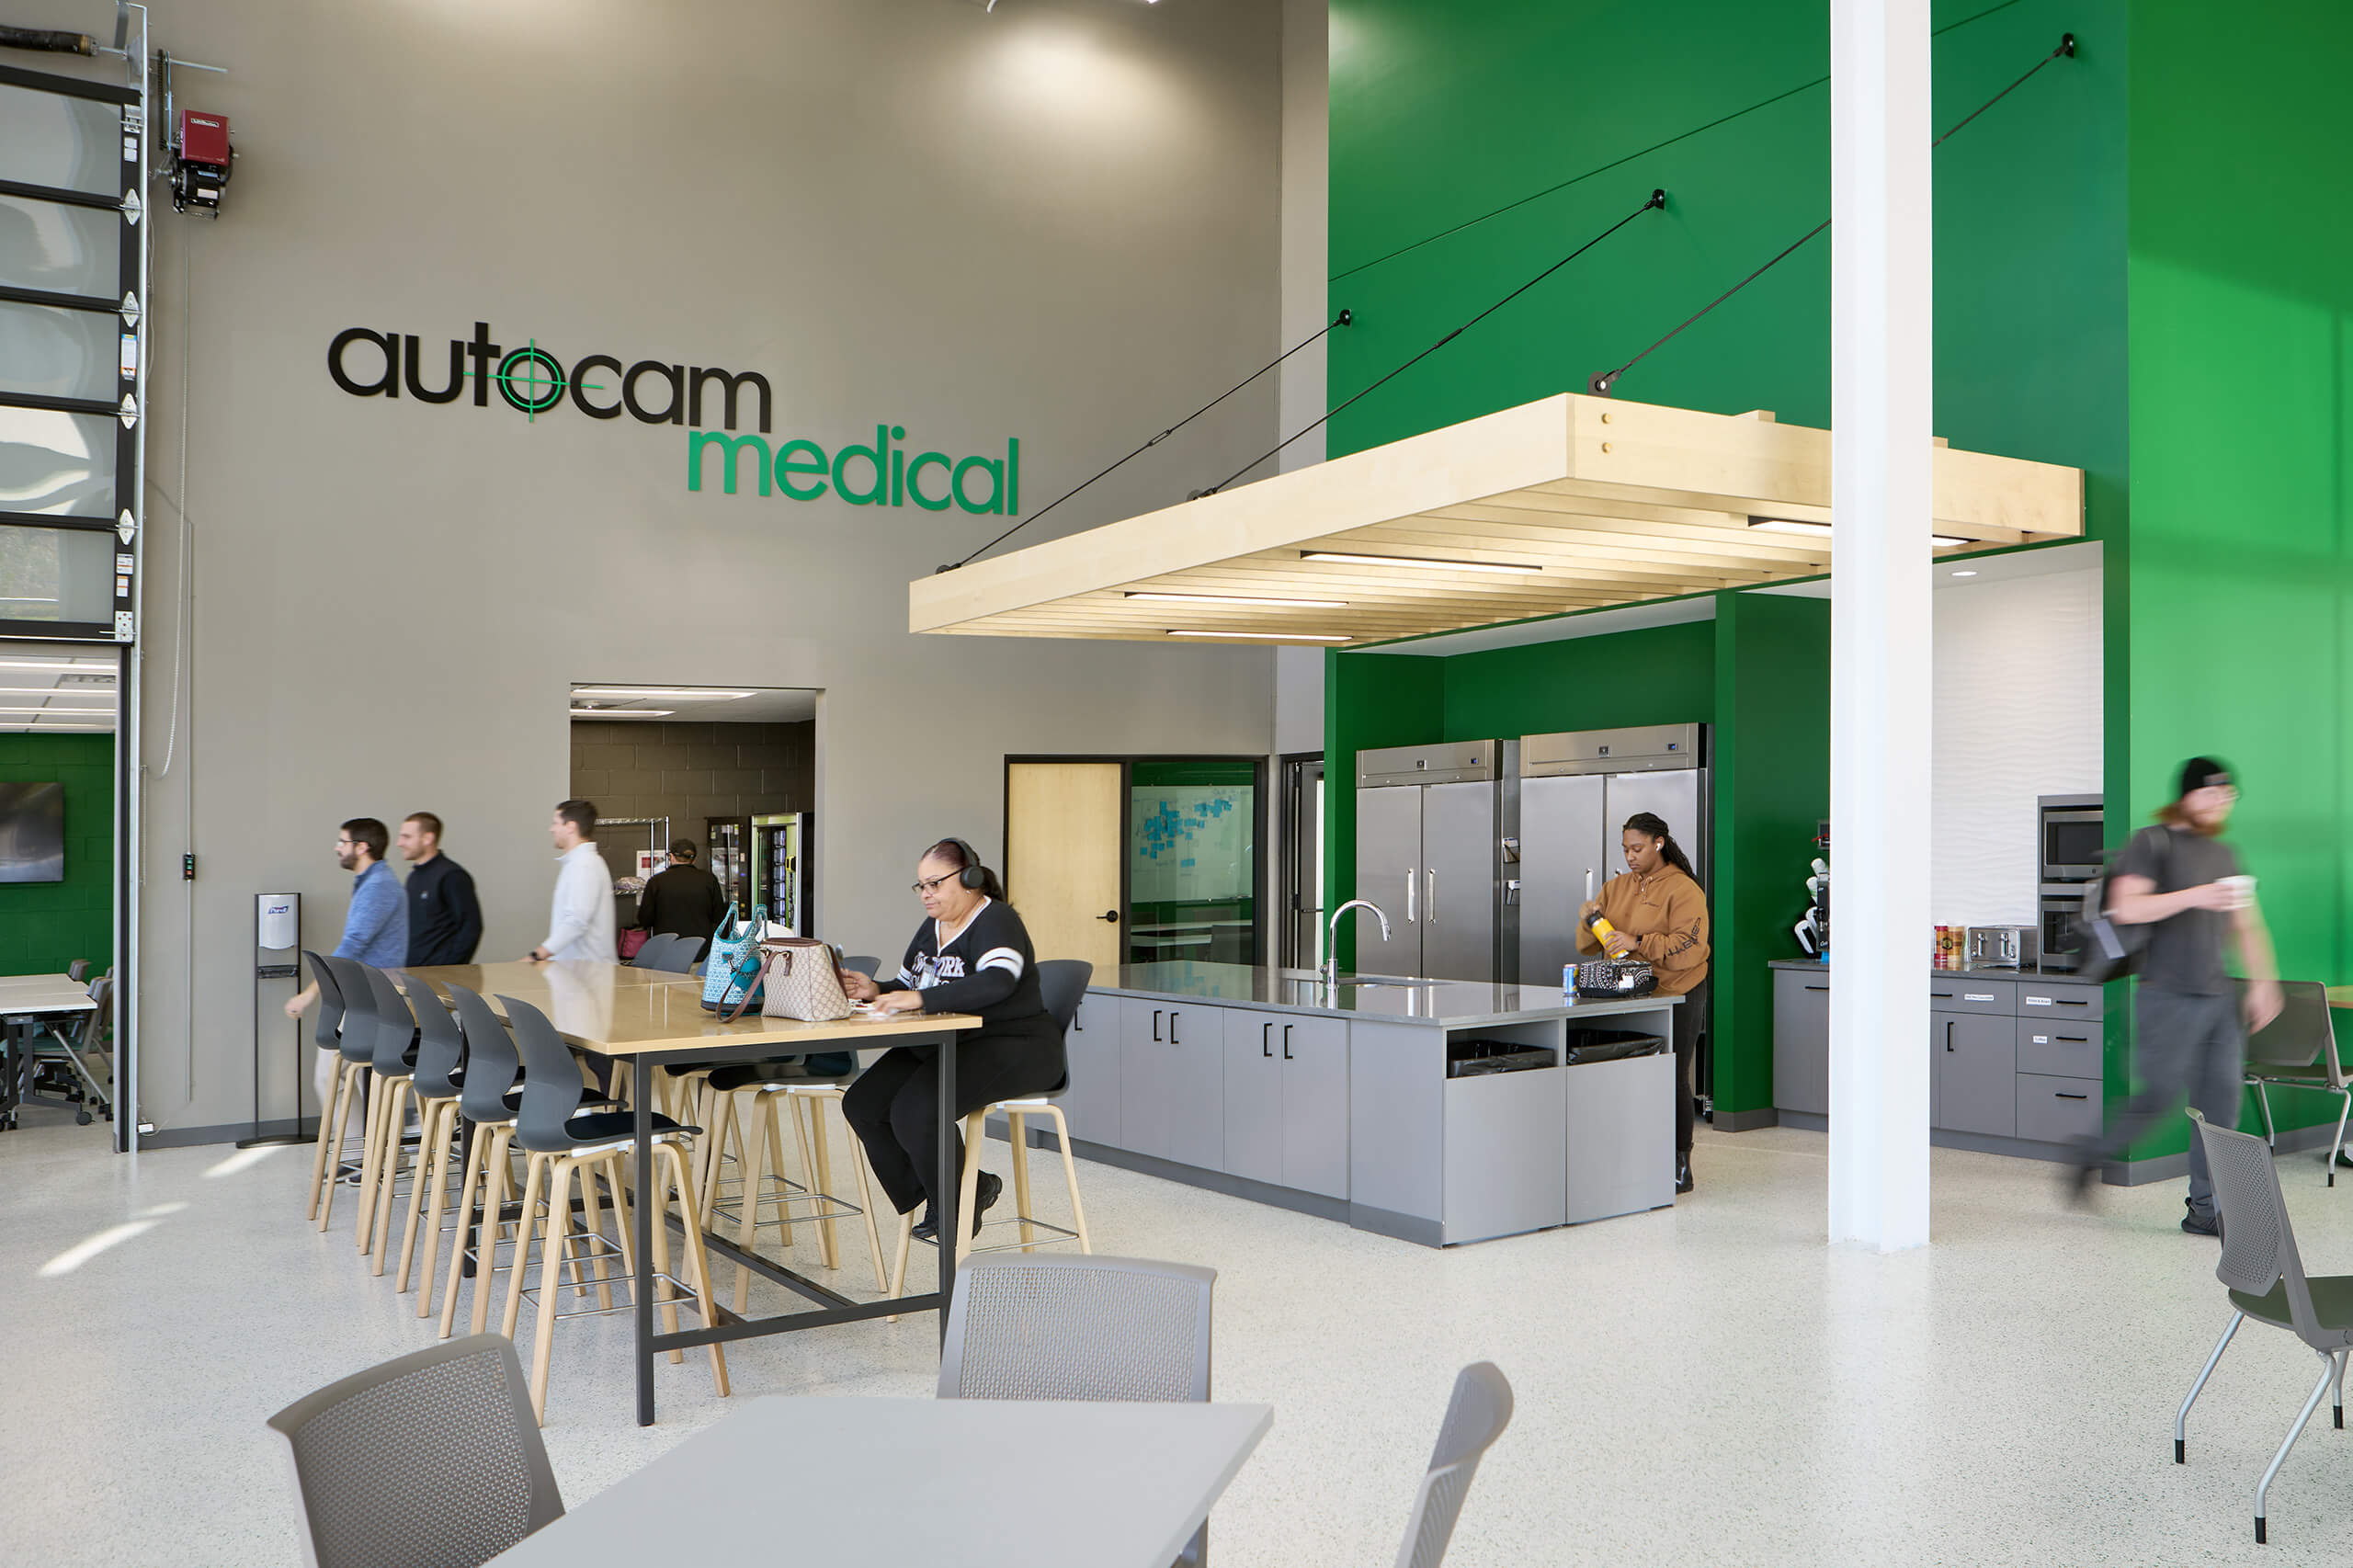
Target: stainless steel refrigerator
{"x": 1576, "y": 791}
{"x": 1428, "y": 826}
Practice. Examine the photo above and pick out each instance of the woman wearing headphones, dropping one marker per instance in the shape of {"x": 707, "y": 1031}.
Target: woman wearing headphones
{"x": 971, "y": 954}
{"x": 1661, "y": 916}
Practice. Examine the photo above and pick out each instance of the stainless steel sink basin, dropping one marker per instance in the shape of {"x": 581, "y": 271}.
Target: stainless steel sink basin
{"x": 1401, "y": 981}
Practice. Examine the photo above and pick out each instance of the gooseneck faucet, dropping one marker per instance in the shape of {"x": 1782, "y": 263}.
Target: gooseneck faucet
{"x": 1332, "y": 937}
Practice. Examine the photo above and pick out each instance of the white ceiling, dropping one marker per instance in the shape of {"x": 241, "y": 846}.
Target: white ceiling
{"x": 768, "y": 705}
{"x": 53, "y": 681}
{"x": 1962, "y": 570}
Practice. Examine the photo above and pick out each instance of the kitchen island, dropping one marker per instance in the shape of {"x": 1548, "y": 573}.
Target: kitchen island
{"x": 1265, "y": 1085}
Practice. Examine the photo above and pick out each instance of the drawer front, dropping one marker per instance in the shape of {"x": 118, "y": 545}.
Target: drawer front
{"x": 2063, "y": 1047}
{"x": 2041, "y": 999}
{"x": 2058, "y": 1110}
{"x": 1971, "y": 994}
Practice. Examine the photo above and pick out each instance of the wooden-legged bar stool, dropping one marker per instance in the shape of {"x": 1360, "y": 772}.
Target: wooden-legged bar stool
{"x": 388, "y": 1085}
{"x": 487, "y": 1098}
{"x": 438, "y": 1084}
{"x": 1063, "y": 983}
{"x": 564, "y": 1141}
{"x": 764, "y": 1185}
{"x": 356, "y": 1040}
{"x": 326, "y": 1034}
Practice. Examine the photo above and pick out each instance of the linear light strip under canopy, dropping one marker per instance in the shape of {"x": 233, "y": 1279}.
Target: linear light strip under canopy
{"x": 1569, "y": 502}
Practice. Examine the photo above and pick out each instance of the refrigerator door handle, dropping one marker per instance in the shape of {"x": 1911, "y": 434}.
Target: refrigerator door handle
{"x": 1432, "y": 874}
{"x": 1410, "y": 879}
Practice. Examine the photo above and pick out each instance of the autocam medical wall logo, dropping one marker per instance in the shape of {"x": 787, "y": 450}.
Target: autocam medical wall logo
{"x": 534, "y": 381}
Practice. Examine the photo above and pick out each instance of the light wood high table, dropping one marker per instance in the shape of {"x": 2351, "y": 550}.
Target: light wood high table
{"x": 650, "y": 1017}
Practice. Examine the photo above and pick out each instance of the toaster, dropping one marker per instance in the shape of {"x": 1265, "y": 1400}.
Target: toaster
{"x": 2002, "y": 946}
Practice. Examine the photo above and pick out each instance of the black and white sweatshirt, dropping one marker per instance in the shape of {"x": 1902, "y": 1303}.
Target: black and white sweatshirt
{"x": 988, "y": 968}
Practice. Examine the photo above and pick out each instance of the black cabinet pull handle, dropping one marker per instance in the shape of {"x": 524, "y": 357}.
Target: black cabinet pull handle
{"x": 1172, "y": 1028}
{"x": 1287, "y": 1042}
{"x": 1948, "y": 1034}
{"x": 2064, "y": 1002}
{"x": 2067, "y": 1097}
{"x": 1266, "y": 1032}
{"x": 1155, "y": 1024}
{"x": 1941, "y": 995}
{"x": 1817, "y": 988}
{"x": 2078, "y": 1038}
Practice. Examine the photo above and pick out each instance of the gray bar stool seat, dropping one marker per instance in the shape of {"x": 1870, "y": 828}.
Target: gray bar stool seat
{"x": 325, "y": 1034}
{"x": 487, "y": 1098}
{"x": 356, "y": 1040}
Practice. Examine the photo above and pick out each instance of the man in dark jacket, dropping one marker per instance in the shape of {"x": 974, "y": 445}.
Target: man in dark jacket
{"x": 682, "y": 898}
{"x": 444, "y": 916}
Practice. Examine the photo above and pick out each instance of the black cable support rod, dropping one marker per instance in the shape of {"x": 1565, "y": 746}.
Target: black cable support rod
{"x": 1656, "y": 202}
{"x": 1343, "y": 319}
{"x": 1602, "y": 382}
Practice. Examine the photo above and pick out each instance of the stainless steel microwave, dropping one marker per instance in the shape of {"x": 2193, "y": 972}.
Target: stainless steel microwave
{"x": 2060, "y": 903}
{"x": 2073, "y": 835}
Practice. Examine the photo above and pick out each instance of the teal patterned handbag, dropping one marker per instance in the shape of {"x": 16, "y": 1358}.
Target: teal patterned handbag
{"x": 732, "y": 975}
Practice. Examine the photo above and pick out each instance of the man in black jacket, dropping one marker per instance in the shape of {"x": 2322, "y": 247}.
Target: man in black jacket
{"x": 444, "y": 916}
{"x": 682, "y": 898}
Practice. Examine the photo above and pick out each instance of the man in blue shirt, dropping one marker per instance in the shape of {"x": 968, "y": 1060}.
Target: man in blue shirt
{"x": 375, "y": 928}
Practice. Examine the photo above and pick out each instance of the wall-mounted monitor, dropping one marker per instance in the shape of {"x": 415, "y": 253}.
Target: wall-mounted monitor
{"x": 32, "y": 833}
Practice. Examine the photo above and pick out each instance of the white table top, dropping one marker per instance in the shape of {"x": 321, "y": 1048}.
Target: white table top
{"x": 976, "y": 1483}
{"x": 22, "y": 994}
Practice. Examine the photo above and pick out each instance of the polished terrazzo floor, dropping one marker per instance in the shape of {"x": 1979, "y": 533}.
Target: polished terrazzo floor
{"x": 1708, "y": 1384}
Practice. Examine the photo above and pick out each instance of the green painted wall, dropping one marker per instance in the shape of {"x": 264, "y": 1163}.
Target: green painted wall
{"x": 1661, "y": 675}
{"x": 1472, "y": 146}
{"x": 2237, "y": 592}
{"x": 46, "y": 925}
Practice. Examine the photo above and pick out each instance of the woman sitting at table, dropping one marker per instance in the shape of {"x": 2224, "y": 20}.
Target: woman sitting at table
{"x": 971, "y": 955}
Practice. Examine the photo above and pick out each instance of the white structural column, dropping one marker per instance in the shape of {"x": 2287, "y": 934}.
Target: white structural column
{"x": 1880, "y": 336}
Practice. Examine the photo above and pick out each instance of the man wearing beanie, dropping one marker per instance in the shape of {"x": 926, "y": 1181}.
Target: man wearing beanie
{"x": 2180, "y": 879}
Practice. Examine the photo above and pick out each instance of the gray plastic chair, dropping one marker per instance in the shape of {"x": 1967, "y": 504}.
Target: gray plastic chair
{"x": 869, "y": 967}
{"x": 683, "y": 954}
{"x": 432, "y": 1458}
{"x": 2297, "y": 1050}
{"x": 1475, "y": 1417}
{"x": 656, "y": 952}
{"x": 326, "y": 1034}
{"x": 1024, "y": 1327}
{"x": 356, "y": 1040}
{"x": 2264, "y": 1276}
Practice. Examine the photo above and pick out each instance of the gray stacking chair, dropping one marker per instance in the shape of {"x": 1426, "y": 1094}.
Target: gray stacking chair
{"x": 2297, "y": 1050}
{"x": 326, "y": 1034}
{"x": 2264, "y": 1276}
{"x": 1475, "y": 1417}
{"x": 488, "y": 1100}
{"x": 1059, "y": 1327}
{"x": 685, "y": 952}
{"x": 438, "y": 1083}
{"x": 656, "y": 952}
{"x": 391, "y": 1072}
{"x": 356, "y": 1040}
{"x": 869, "y": 967}
{"x": 430, "y": 1458}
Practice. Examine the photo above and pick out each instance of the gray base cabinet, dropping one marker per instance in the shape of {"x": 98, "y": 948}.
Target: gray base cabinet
{"x": 1285, "y": 1091}
{"x": 1801, "y": 1040}
{"x": 1091, "y": 1044}
{"x": 1172, "y": 1082}
{"x": 1975, "y": 1081}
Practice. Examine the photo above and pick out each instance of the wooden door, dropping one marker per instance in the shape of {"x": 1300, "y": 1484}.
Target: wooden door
{"x": 1062, "y": 857}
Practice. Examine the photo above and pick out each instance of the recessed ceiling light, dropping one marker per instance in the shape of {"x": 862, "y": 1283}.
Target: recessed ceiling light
{"x": 1416, "y": 560}
{"x": 1822, "y": 530}
{"x": 620, "y": 713}
{"x": 1272, "y": 636}
{"x": 1235, "y": 599}
{"x": 1964, "y": 573}
{"x": 684, "y": 693}
{"x": 107, "y": 712}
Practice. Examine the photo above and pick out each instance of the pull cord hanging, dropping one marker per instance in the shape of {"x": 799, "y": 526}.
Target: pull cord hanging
{"x": 1343, "y": 319}
{"x": 1657, "y": 201}
{"x": 1601, "y": 382}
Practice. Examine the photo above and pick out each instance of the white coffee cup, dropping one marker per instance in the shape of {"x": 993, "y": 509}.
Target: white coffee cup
{"x": 2241, "y": 891}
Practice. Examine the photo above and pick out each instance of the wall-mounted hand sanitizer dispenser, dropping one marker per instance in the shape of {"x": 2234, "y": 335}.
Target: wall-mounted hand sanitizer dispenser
{"x": 277, "y": 918}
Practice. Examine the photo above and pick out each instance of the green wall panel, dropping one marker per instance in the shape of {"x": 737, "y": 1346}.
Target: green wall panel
{"x": 1661, "y": 675}
{"x": 2236, "y": 594}
{"x": 46, "y": 925}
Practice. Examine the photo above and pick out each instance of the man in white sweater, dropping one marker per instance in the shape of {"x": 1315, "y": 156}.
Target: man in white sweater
{"x": 581, "y": 918}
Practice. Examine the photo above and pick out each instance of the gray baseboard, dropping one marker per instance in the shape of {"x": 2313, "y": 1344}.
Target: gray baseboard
{"x": 1403, "y": 1227}
{"x": 2172, "y": 1167}
{"x": 189, "y": 1137}
{"x": 1803, "y": 1120}
{"x": 1298, "y": 1202}
{"x": 2118, "y": 1172}
{"x": 1745, "y": 1120}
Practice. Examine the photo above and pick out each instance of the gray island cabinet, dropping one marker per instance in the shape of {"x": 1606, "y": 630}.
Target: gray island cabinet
{"x": 1261, "y": 1083}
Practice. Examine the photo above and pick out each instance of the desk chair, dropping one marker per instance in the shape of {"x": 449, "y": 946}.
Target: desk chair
{"x": 1063, "y": 983}
{"x": 1475, "y": 1417}
{"x": 2264, "y": 1274}
{"x": 429, "y": 1458}
{"x": 70, "y": 1044}
{"x": 564, "y": 1140}
{"x": 1083, "y": 1328}
{"x": 79, "y": 970}
{"x": 325, "y": 1034}
{"x": 356, "y": 1040}
{"x": 2298, "y": 1049}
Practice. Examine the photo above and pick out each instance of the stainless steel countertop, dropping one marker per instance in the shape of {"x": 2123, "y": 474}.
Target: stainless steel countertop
{"x": 1442, "y": 1003}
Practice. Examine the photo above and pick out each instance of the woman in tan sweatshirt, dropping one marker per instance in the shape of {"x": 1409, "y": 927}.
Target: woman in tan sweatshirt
{"x": 1661, "y": 916}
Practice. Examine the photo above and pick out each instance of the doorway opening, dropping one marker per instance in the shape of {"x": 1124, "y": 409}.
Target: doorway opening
{"x": 1300, "y": 890}
{"x": 721, "y": 777}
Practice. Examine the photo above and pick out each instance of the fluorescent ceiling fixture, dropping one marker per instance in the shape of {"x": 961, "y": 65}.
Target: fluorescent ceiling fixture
{"x": 621, "y": 712}
{"x": 1417, "y": 561}
{"x": 1237, "y": 600}
{"x": 20, "y": 725}
{"x": 108, "y": 712}
{"x": 1964, "y": 573}
{"x": 52, "y": 691}
{"x": 1272, "y": 636}
{"x": 1822, "y": 530}
{"x": 681, "y": 692}
{"x": 50, "y": 664}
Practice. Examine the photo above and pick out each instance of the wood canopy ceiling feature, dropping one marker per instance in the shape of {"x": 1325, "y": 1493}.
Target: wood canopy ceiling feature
{"x": 1613, "y": 502}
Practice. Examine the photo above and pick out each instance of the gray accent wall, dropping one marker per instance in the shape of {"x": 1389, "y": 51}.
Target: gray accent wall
{"x": 1060, "y": 222}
